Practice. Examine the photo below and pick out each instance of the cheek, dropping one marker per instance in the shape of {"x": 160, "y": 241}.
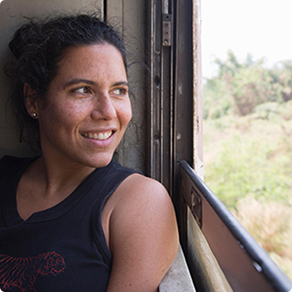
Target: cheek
{"x": 60, "y": 116}
{"x": 126, "y": 114}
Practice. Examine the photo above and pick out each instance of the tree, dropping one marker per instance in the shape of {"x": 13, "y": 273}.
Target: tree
{"x": 240, "y": 87}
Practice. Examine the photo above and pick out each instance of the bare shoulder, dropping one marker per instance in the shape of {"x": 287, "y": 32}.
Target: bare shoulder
{"x": 145, "y": 201}
{"x": 143, "y": 234}
{"x": 138, "y": 188}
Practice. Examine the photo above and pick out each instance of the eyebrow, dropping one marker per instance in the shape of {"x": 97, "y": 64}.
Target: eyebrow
{"x": 77, "y": 81}
{"x": 121, "y": 83}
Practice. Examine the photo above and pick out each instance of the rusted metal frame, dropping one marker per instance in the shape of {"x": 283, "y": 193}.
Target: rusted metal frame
{"x": 183, "y": 87}
{"x": 245, "y": 264}
{"x": 171, "y": 106}
{"x": 161, "y": 95}
{"x": 155, "y": 80}
{"x": 171, "y": 79}
{"x": 183, "y": 102}
{"x": 167, "y": 94}
{"x": 152, "y": 90}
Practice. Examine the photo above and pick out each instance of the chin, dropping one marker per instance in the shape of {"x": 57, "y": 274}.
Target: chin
{"x": 99, "y": 162}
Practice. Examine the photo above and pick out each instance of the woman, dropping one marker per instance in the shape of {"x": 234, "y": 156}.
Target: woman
{"x": 72, "y": 219}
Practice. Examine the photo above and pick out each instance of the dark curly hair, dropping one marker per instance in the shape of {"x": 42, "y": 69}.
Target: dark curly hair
{"x": 38, "y": 47}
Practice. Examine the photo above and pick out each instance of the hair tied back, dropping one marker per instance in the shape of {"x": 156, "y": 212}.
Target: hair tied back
{"x": 22, "y": 39}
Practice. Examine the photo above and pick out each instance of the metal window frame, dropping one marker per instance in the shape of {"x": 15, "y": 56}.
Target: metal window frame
{"x": 245, "y": 264}
{"x": 171, "y": 89}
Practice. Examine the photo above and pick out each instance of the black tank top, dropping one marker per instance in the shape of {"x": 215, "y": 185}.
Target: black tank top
{"x": 62, "y": 248}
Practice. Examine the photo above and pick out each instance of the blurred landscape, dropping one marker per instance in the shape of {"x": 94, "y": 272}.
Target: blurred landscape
{"x": 248, "y": 148}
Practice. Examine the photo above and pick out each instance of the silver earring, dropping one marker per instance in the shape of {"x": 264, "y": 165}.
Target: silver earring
{"x": 33, "y": 115}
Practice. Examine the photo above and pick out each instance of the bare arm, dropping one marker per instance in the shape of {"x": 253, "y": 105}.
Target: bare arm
{"x": 143, "y": 236}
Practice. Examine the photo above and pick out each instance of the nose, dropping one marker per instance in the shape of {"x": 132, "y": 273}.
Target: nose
{"x": 104, "y": 108}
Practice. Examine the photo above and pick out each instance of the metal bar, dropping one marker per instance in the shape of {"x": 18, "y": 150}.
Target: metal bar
{"x": 245, "y": 264}
{"x": 183, "y": 101}
{"x": 161, "y": 124}
{"x": 206, "y": 272}
{"x": 156, "y": 137}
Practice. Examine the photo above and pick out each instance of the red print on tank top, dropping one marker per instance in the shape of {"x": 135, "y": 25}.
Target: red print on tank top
{"x": 22, "y": 272}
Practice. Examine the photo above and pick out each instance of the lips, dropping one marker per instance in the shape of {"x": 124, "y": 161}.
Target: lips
{"x": 97, "y": 136}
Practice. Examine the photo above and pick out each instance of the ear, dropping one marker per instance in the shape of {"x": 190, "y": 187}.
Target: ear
{"x": 31, "y": 100}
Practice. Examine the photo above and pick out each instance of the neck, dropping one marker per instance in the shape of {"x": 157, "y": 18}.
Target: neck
{"x": 55, "y": 176}
{"x": 46, "y": 183}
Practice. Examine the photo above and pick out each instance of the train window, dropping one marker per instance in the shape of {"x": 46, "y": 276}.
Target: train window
{"x": 247, "y": 73}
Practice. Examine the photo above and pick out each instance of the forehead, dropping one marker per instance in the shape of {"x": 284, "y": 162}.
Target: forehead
{"x": 97, "y": 59}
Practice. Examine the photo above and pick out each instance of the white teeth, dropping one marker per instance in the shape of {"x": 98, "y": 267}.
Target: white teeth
{"x": 99, "y": 136}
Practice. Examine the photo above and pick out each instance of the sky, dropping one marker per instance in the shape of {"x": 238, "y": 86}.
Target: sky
{"x": 262, "y": 28}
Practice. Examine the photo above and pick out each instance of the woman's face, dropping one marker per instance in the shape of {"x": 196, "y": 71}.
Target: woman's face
{"x": 87, "y": 106}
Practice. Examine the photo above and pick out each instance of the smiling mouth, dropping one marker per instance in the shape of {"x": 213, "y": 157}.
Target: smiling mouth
{"x": 97, "y": 136}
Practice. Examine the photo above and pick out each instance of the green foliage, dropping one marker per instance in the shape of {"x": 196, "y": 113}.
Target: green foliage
{"x": 245, "y": 166}
{"x": 248, "y": 166}
{"x": 270, "y": 223}
{"x": 248, "y": 149}
{"x": 274, "y": 111}
{"x": 282, "y": 77}
{"x": 216, "y": 106}
{"x": 240, "y": 87}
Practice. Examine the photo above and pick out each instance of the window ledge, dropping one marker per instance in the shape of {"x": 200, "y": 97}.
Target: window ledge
{"x": 178, "y": 278}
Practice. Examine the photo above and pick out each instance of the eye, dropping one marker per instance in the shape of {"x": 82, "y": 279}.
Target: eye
{"x": 82, "y": 90}
{"x": 120, "y": 91}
